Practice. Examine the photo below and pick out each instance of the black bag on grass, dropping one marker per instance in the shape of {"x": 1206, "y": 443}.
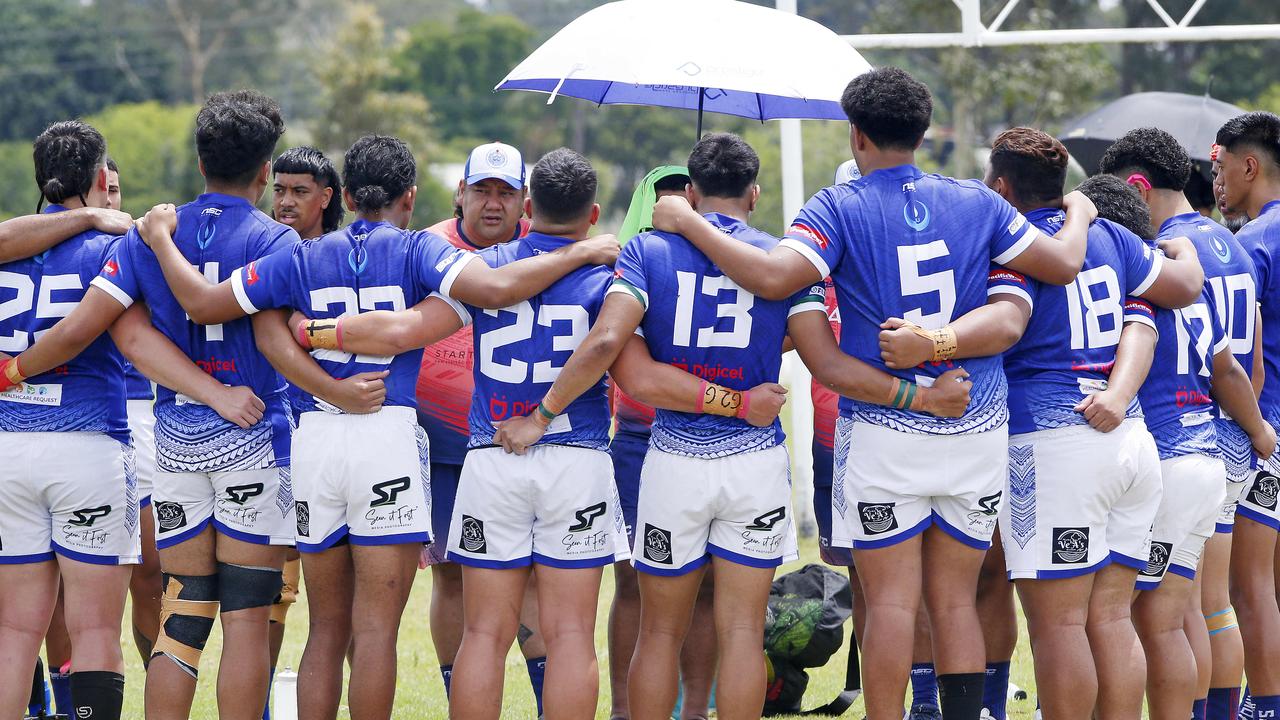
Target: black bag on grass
{"x": 804, "y": 627}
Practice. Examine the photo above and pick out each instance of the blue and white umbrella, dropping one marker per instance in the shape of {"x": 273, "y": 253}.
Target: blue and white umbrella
{"x": 719, "y": 56}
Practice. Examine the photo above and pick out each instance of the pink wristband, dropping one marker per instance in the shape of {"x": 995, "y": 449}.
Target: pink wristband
{"x": 338, "y": 333}
{"x": 702, "y": 397}
{"x": 745, "y": 406}
{"x": 301, "y": 336}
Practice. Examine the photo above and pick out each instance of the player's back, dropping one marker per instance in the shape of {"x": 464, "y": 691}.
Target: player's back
{"x": 520, "y": 350}
{"x": 1069, "y": 346}
{"x": 1261, "y": 239}
{"x": 88, "y": 393}
{"x": 701, "y": 321}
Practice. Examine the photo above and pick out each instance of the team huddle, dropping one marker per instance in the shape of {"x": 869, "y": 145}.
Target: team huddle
{"x": 1015, "y": 389}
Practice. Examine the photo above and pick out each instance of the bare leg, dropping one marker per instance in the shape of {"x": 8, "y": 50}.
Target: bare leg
{"x": 145, "y": 588}
{"x": 383, "y": 578}
{"x": 491, "y": 611}
{"x": 741, "y": 596}
{"x": 666, "y": 606}
{"x": 699, "y": 655}
{"x": 1171, "y": 668}
{"x": 1066, "y": 678}
{"x": 446, "y": 611}
{"x": 1253, "y": 594}
{"x": 568, "y": 601}
{"x": 1114, "y": 642}
{"x": 244, "y": 670}
{"x": 624, "y": 627}
{"x": 27, "y": 596}
{"x": 891, "y": 584}
{"x": 170, "y": 690}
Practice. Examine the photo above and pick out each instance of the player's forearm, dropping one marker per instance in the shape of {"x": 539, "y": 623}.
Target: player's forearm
{"x": 1233, "y": 391}
{"x": 1180, "y": 283}
{"x": 494, "y": 288}
{"x": 72, "y": 334}
{"x": 159, "y": 359}
{"x": 1133, "y": 359}
{"x": 275, "y": 342}
{"x": 29, "y": 235}
{"x": 756, "y": 271}
{"x": 991, "y": 329}
{"x": 385, "y": 332}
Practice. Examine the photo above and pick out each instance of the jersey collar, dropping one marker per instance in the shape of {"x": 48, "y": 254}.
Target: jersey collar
{"x": 53, "y": 208}
{"x": 462, "y": 235}
{"x": 1044, "y": 213}
{"x": 1269, "y": 207}
{"x": 215, "y": 198}
{"x": 724, "y": 222}
{"x": 544, "y": 242}
{"x": 1186, "y": 217}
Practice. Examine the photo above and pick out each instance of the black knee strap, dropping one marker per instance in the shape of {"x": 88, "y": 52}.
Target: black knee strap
{"x": 241, "y": 587}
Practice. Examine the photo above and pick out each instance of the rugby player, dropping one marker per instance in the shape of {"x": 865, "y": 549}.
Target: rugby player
{"x": 1158, "y": 168}
{"x": 75, "y": 444}
{"x": 743, "y": 528}
{"x": 892, "y": 244}
{"x": 489, "y": 209}
{"x": 1249, "y": 176}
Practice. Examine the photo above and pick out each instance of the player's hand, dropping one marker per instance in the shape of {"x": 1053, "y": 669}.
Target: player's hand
{"x": 1264, "y": 442}
{"x": 111, "y": 222}
{"x": 670, "y": 211}
{"x": 599, "y": 250}
{"x": 1078, "y": 203}
{"x": 516, "y": 434}
{"x": 361, "y": 394}
{"x": 766, "y": 402}
{"x": 1104, "y": 410}
{"x": 237, "y": 404}
{"x": 1176, "y": 247}
{"x": 158, "y": 224}
{"x": 900, "y": 348}
{"x": 949, "y": 395}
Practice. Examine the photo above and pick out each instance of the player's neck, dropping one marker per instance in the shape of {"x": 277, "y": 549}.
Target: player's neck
{"x": 312, "y": 232}
{"x": 877, "y": 159}
{"x": 1265, "y": 191}
{"x": 575, "y": 232}
{"x": 1165, "y": 204}
{"x": 250, "y": 193}
{"x": 735, "y": 208}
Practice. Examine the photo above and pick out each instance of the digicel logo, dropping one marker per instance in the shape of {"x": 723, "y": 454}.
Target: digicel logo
{"x": 111, "y": 268}
{"x": 251, "y": 273}
{"x": 802, "y": 230}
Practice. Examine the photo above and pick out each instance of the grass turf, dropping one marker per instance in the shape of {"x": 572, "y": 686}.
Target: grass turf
{"x": 420, "y": 692}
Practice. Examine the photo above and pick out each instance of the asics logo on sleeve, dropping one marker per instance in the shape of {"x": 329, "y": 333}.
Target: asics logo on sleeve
{"x": 86, "y": 516}
{"x": 586, "y": 517}
{"x": 385, "y": 492}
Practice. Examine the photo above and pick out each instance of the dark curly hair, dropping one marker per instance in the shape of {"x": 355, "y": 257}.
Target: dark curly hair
{"x": 562, "y": 186}
{"x": 1033, "y": 162}
{"x": 67, "y": 156}
{"x": 1120, "y": 203}
{"x": 304, "y": 160}
{"x": 1258, "y": 130}
{"x": 723, "y": 165}
{"x": 377, "y": 170}
{"x": 889, "y": 106}
{"x": 236, "y": 132}
{"x": 1154, "y": 153}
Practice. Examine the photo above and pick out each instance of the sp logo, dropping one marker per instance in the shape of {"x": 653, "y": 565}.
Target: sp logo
{"x": 384, "y": 493}
{"x": 586, "y": 517}
{"x": 766, "y": 521}
{"x": 240, "y": 494}
{"x": 86, "y": 516}
{"x": 990, "y": 505}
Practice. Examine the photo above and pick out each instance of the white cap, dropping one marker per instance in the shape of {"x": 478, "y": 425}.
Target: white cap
{"x": 495, "y": 160}
{"x": 847, "y": 172}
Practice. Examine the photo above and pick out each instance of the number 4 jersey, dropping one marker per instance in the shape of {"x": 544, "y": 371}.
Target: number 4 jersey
{"x": 520, "y": 350}
{"x": 699, "y": 320}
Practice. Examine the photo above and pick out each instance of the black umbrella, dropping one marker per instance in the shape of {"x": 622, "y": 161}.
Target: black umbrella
{"x": 1192, "y": 119}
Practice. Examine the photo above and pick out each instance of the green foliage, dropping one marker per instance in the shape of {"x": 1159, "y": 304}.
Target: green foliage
{"x": 154, "y": 147}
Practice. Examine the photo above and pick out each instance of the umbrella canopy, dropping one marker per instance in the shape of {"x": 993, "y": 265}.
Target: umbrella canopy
{"x": 1192, "y": 119}
{"x": 720, "y": 56}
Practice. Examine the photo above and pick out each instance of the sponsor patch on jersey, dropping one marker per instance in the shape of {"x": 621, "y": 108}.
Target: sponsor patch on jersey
{"x": 1158, "y": 560}
{"x": 111, "y": 268}
{"x": 473, "y": 535}
{"x": 48, "y": 395}
{"x": 1265, "y": 490}
{"x": 1016, "y": 224}
{"x": 251, "y": 273}
{"x": 1070, "y": 545}
{"x": 657, "y": 544}
{"x": 800, "y": 230}
{"x": 170, "y": 516}
{"x": 877, "y": 518}
{"x": 1006, "y": 275}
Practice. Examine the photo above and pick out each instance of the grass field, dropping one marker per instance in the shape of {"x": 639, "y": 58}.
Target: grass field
{"x": 420, "y": 693}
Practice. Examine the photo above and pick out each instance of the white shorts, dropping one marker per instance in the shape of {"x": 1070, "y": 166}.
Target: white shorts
{"x": 736, "y": 507}
{"x": 1080, "y": 499}
{"x": 142, "y": 428}
{"x": 70, "y": 493}
{"x": 1259, "y": 499}
{"x": 255, "y": 506}
{"x": 1230, "y": 501}
{"x": 1188, "y": 509}
{"x": 889, "y": 486}
{"x": 363, "y": 477}
{"x": 556, "y": 505}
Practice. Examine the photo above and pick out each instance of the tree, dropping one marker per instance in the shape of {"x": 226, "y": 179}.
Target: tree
{"x": 207, "y": 29}
{"x": 153, "y": 146}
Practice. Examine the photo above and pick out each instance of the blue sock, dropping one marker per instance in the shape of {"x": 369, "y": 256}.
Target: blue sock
{"x": 266, "y": 710}
{"x": 995, "y": 689}
{"x": 1246, "y": 705}
{"x": 1266, "y": 707}
{"x": 61, "y": 683}
{"x": 446, "y": 672}
{"x": 1223, "y": 703}
{"x": 924, "y": 685}
{"x": 537, "y": 669}
{"x": 1199, "y": 708}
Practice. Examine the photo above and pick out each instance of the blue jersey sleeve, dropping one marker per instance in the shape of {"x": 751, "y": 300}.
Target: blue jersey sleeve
{"x": 1218, "y": 331}
{"x": 1139, "y": 311}
{"x": 283, "y": 238}
{"x": 266, "y": 283}
{"x": 628, "y": 273}
{"x": 816, "y": 233}
{"x": 1260, "y": 254}
{"x": 1011, "y": 233}
{"x": 1141, "y": 261}
{"x": 1003, "y": 281}
{"x": 435, "y": 262}
{"x": 119, "y": 274}
{"x": 812, "y": 298}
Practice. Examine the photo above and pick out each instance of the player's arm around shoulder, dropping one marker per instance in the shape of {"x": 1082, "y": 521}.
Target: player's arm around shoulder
{"x": 29, "y": 235}
{"x": 1179, "y": 277}
{"x": 383, "y": 332}
{"x": 68, "y": 338}
{"x": 491, "y": 288}
{"x": 1055, "y": 260}
{"x": 205, "y": 302}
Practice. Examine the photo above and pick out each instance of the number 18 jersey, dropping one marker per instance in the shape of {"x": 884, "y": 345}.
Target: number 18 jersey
{"x": 699, "y": 320}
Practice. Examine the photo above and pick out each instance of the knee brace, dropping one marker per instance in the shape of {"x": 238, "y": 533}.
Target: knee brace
{"x": 1221, "y": 620}
{"x": 288, "y": 592}
{"x": 241, "y": 587}
{"x": 187, "y": 609}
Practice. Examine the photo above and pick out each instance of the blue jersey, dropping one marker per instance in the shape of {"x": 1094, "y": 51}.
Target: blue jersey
{"x": 88, "y": 393}
{"x": 218, "y": 233}
{"x": 363, "y": 267}
{"x": 137, "y": 386}
{"x": 699, "y": 320}
{"x": 520, "y": 350}
{"x": 1069, "y": 346}
{"x": 900, "y": 243}
{"x": 1261, "y": 239}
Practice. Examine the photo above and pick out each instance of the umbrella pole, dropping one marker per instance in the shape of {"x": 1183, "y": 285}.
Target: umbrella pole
{"x": 701, "y": 95}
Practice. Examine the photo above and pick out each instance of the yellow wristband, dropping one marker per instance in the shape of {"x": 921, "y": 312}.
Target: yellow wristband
{"x": 12, "y": 373}
{"x": 323, "y": 334}
{"x": 720, "y": 400}
{"x": 943, "y": 339}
